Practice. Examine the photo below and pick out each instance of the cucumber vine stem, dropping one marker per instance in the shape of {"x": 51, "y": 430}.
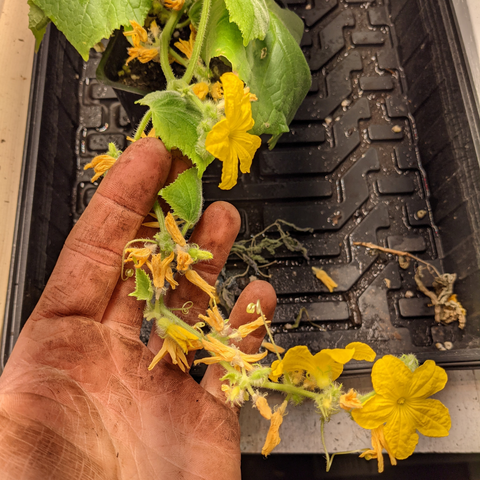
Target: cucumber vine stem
{"x": 165, "y": 43}
{"x": 142, "y": 125}
{"x": 197, "y": 47}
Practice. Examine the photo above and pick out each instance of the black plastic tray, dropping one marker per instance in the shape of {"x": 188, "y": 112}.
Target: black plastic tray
{"x": 342, "y": 170}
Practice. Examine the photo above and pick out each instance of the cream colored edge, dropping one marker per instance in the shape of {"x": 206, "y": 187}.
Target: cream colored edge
{"x": 16, "y": 60}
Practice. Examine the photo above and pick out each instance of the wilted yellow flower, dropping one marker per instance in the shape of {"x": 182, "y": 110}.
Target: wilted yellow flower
{"x": 229, "y": 354}
{"x": 138, "y": 255}
{"x": 216, "y": 91}
{"x": 234, "y": 395}
{"x": 263, "y": 407}
{"x": 214, "y": 319}
{"x": 378, "y": 444}
{"x": 228, "y": 140}
{"x": 196, "y": 279}
{"x": 138, "y": 34}
{"x": 402, "y": 403}
{"x": 100, "y": 164}
{"x": 200, "y": 90}
{"x": 323, "y": 276}
{"x": 273, "y": 437}
{"x": 349, "y": 400}
{"x": 186, "y": 46}
{"x": 143, "y": 54}
{"x": 177, "y": 342}
{"x": 174, "y": 231}
{"x": 184, "y": 260}
{"x": 272, "y": 348}
{"x": 162, "y": 271}
{"x": 324, "y": 367}
{"x": 154, "y": 29}
{"x": 174, "y": 4}
{"x": 248, "y": 328}
{"x": 151, "y": 134}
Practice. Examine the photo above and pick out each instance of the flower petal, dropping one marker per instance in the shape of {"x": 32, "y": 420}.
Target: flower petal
{"x": 340, "y": 355}
{"x": 245, "y": 146}
{"x": 427, "y": 380}
{"x": 238, "y": 109}
{"x": 400, "y": 434}
{"x": 362, "y": 351}
{"x": 374, "y": 412}
{"x": 218, "y": 141}
{"x": 431, "y": 417}
{"x": 391, "y": 378}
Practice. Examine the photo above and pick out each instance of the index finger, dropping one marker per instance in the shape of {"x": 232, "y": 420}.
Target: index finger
{"x": 89, "y": 265}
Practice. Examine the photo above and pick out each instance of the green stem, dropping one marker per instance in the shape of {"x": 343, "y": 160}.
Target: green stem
{"x": 281, "y": 387}
{"x": 165, "y": 44}
{"x": 183, "y": 24}
{"x": 185, "y": 228}
{"x": 197, "y": 47}
{"x": 142, "y": 125}
{"x": 177, "y": 57}
{"x": 166, "y": 312}
{"x": 322, "y": 433}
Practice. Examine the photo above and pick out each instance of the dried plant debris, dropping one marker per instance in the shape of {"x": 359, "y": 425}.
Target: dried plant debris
{"x": 301, "y": 312}
{"x": 447, "y": 307}
{"x": 325, "y": 278}
{"x": 250, "y": 252}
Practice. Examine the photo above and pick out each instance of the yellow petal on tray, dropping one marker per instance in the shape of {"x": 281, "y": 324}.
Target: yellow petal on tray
{"x": 323, "y": 276}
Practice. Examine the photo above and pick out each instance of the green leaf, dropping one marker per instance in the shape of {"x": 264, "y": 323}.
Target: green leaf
{"x": 184, "y": 195}
{"x": 251, "y": 16}
{"x": 290, "y": 19}
{"x": 37, "y": 23}
{"x": 195, "y": 13}
{"x": 143, "y": 286}
{"x": 86, "y": 22}
{"x": 275, "y": 68}
{"x": 176, "y": 119}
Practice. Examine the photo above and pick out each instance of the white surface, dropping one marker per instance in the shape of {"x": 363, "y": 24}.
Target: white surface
{"x": 300, "y": 431}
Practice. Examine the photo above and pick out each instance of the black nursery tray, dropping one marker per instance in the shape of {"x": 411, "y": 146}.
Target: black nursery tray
{"x": 381, "y": 151}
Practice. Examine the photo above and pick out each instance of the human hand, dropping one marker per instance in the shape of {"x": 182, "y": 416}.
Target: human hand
{"x": 76, "y": 398}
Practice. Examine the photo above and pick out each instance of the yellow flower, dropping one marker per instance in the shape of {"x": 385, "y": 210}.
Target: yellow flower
{"x": 401, "y": 402}
{"x": 138, "y": 34}
{"x": 214, "y": 319}
{"x": 162, "y": 271}
{"x": 100, "y": 164}
{"x": 273, "y": 437}
{"x": 196, "y": 279}
{"x": 248, "y": 328}
{"x": 174, "y": 4}
{"x": 227, "y": 353}
{"x": 323, "y": 276}
{"x": 154, "y": 29}
{"x": 272, "y": 348}
{"x": 143, "y": 54}
{"x": 200, "y": 90}
{"x": 324, "y": 367}
{"x": 228, "y": 140}
{"x": 349, "y": 400}
{"x": 216, "y": 91}
{"x": 184, "y": 260}
{"x": 378, "y": 444}
{"x": 174, "y": 231}
{"x": 138, "y": 255}
{"x": 177, "y": 342}
{"x": 186, "y": 46}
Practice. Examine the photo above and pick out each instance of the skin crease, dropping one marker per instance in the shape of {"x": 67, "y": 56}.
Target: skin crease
{"x": 76, "y": 398}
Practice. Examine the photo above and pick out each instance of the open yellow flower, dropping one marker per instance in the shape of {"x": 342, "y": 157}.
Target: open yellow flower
{"x": 100, "y": 164}
{"x": 228, "y": 140}
{"x": 177, "y": 342}
{"x": 138, "y": 34}
{"x": 273, "y": 437}
{"x": 324, "y": 367}
{"x": 378, "y": 444}
{"x": 227, "y": 353}
{"x": 402, "y": 404}
{"x": 162, "y": 271}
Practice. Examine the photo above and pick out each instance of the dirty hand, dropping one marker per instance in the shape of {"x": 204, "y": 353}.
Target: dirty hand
{"x": 76, "y": 398}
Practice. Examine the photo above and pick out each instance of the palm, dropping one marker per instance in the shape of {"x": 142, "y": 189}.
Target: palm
{"x": 77, "y": 385}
